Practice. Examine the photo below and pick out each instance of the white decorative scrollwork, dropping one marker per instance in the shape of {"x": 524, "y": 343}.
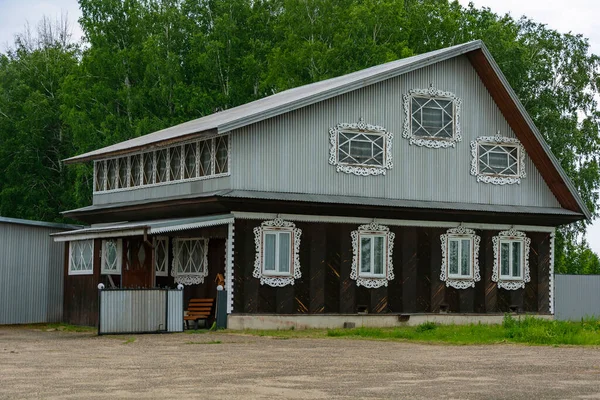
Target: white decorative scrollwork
{"x": 190, "y": 261}
{"x": 388, "y": 274}
{"x": 433, "y": 141}
{"x": 460, "y": 232}
{"x": 379, "y": 162}
{"x": 498, "y": 179}
{"x": 275, "y": 225}
{"x": 513, "y": 236}
{"x": 551, "y": 278}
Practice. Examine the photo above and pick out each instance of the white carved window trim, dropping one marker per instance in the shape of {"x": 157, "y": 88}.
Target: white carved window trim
{"x": 269, "y": 277}
{"x": 161, "y": 269}
{"x": 218, "y": 168}
{"x": 357, "y": 128}
{"x": 113, "y": 268}
{"x": 196, "y": 273}
{"x": 78, "y": 265}
{"x": 511, "y": 236}
{"x": 372, "y": 230}
{"x": 432, "y": 141}
{"x": 458, "y": 282}
{"x": 497, "y": 179}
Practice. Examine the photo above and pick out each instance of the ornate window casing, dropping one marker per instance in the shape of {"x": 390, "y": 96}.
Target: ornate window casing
{"x": 195, "y": 160}
{"x": 460, "y": 258}
{"x": 81, "y": 257}
{"x": 161, "y": 256}
{"x": 360, "y": 148}
{"x": 432, "y": 118}
{"x": 372, "y": 247}
{"x": 511, "y": 259}
{"x": 190, "y": 260}
{"x": 498, "y": 160}
{"x": 277, "y": 261}
{"x": 112, "y": 257}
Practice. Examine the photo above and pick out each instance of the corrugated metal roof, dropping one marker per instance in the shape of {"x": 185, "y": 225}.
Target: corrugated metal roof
{"x": 42, "y": 224}
{"x": 283, "y": 102}
{"x": 352, "y": 200}
{"x": 120, "y": 229}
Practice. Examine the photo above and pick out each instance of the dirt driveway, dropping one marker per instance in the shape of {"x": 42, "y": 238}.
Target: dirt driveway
{"x": 40, "y": 364}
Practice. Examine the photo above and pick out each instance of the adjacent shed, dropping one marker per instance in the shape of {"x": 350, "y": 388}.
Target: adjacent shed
{"x": 31, "y": 271}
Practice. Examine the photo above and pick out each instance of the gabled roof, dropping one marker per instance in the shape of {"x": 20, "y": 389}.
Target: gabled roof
{"x": 292, "y": 99}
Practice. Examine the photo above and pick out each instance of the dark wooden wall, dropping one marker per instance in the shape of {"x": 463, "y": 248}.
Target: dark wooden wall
{"x": 326, "y": 287}
{"x": 80, "y": 305}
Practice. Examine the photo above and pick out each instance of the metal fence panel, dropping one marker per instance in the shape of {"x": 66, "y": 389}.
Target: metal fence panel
{"x": 577, "y": 296}
{"x": 140, "y": 311}
{"x": 175, "y": 315}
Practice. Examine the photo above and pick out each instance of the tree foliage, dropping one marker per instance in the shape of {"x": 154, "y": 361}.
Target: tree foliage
{"x": 148, "y": 64}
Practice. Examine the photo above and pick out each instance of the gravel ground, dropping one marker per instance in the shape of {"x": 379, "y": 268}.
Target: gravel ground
{"x": 64, "y": 365}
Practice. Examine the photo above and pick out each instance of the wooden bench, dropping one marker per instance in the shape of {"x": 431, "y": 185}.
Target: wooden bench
{"x": 199, "y": 309}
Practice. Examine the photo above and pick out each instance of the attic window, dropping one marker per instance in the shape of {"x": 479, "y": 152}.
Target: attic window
{"x": 497, "y": 160}
{"x": 360, "y": 148}
{"x": 199, "y": 159}
{"x": 432, "y": 118}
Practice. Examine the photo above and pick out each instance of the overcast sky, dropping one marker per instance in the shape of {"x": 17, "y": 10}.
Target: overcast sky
{"x": 575, "y": 16}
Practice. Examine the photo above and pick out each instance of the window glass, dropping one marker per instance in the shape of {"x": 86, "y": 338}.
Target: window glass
{"x": 175, "y": 163}
{"x": 111, "y": 256}
{"x": 270, "y": 241}
{"x": 365, "y": 254}
{"x": 148, "y": 168}
{"x": 136, "y": 168}
{"x": 161, "y": 166}
{"x": 432, "y": 117}
{"x": 100, "y": 178}
{"x": 81, "y": 257}
{"x": 112, "y": 174}
{"x": 498, "y": 159}
{"x": 504, "y": 259}
{"x": 221, "y": 156}
{"x": 189, "y": 256}
{"x": 122, "y": 166}
{"x": 161, "y": 256}
{"x": 361, "y": 149}
{"x": 205, "y": 158}
{"x": 284, "y": 251}
{"x": 378, "y": 249}
{"x": 516, "y": 259}
{"x": 453, "y": 256}
{"x": 190, "y": 161}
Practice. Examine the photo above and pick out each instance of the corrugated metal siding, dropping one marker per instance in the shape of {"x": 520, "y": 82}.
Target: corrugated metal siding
{"x": 129, "y": 311}
{"x": 290, "y": 153}
{"x": 163, "y": 191}
{"x": 175, "y": 318}
{"x": 576, "y": 296}
{"x": 31, "y": 274}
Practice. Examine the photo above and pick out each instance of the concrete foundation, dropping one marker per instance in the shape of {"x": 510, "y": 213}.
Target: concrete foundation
{"x": 334, "y": 321}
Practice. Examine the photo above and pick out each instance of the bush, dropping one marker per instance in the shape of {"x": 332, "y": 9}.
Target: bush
{"x": 426, "y": 326}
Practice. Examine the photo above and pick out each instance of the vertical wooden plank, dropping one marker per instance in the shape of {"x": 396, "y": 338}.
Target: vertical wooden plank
{"x": 543, "y": 274}
{"x": 423, "y": 273}
{"x": 267, "y": 299}
{"x": 285, "y": 299}
{"x": 409, "y": 270}
{"x": 486, "y": 266}
{"x": 244, "y": 261}
{"x": 530, "y": 302}
{"x": 379, "y": 300}
{"x": 318, "y": 244}
{"x": 347, "y": 285}
{"x": 332, "y": 269}
{"x": 438, "y": 288}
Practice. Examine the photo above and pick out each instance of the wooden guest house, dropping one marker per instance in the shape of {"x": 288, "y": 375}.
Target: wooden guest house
{"x": 416, "y": 187}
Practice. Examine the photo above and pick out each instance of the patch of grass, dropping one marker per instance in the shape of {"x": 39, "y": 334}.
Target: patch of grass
{"x": 63, "y": 328}
{"x": 209, "y": 342}
{"x": 195, "y": 331}
{"x": 521, "y": 329}
{"x": 129, "y": 340}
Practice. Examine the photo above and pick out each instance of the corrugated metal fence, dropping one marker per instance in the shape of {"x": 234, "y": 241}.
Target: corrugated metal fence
{"x": 31, "y": 272}
{"x": 140, "y": 311}
{"x": 577, "y": 296}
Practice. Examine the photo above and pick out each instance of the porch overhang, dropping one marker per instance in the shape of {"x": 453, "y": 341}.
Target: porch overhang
{"x": 154, "y": 227}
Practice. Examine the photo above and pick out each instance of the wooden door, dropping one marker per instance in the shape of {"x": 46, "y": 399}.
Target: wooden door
{"x": 137, "y": 264}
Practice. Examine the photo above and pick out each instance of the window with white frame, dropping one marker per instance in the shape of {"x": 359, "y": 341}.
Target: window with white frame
{"x": 460, "y": 258}
{"x": 200, "y": 159}
{"x": 112, "y": 256}
{"x": 190, "y": 260}
{"x": 360, "y": 148}
{"x": 432, "y": 118}
{"x": 511, "y": 259}
{"x": 161, "y": 256}
{"x": 81, "y": 257}
{"x": 498, "y": 160}
{"x": 372, "y": 246}
{"x": 277, "y": 261}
